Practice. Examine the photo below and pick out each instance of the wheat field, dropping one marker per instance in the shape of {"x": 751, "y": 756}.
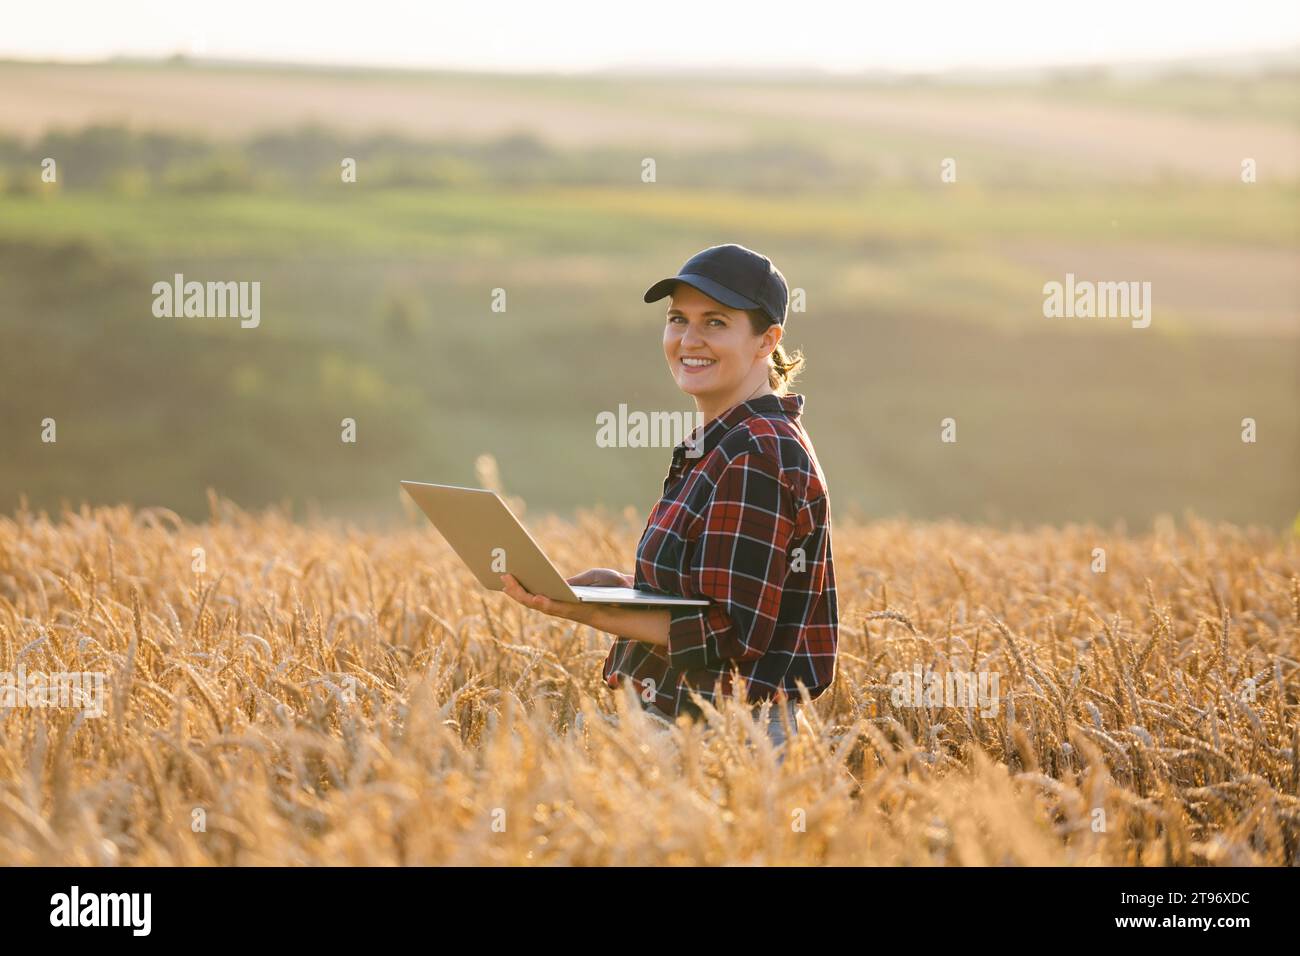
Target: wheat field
{"x": 315, "y": 694}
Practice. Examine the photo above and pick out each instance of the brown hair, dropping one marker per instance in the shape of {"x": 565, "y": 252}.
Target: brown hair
{"x": 783, "y": 368}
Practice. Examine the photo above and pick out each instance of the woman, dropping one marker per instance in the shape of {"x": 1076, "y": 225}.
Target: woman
{"x": 744, "y": 520}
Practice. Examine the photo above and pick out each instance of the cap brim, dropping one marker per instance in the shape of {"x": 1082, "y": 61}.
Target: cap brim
{"x": 732, "y": 300}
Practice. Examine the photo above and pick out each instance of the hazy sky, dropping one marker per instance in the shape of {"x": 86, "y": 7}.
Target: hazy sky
{"x": 587, "y": 34}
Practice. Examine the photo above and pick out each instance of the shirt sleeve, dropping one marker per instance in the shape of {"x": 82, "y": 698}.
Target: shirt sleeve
{"x": 739, "y": 562}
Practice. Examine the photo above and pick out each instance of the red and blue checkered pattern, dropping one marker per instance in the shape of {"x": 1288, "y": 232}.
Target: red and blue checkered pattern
{"x": 747, "y": 525}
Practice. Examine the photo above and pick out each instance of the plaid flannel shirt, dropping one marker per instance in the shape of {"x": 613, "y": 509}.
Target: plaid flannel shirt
{"x": 746, "y": 524}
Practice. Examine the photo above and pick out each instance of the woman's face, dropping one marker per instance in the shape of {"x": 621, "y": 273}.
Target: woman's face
{"x": 711, "y": 349}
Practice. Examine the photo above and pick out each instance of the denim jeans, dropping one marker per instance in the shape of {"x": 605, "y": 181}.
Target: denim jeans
{"x": 775, "y": 732}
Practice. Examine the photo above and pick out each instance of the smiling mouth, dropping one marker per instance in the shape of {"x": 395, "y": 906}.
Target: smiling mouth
{"x": 693, "y": 362}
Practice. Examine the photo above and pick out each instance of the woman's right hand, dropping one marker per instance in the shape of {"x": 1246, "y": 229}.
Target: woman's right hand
{"x": 603, "y": 578}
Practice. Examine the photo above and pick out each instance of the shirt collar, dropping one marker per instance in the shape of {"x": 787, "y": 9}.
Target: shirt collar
{"x": 790, "y": 405}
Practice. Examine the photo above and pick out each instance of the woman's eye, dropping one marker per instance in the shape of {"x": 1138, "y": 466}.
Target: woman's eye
{"x": 722, "y": 323}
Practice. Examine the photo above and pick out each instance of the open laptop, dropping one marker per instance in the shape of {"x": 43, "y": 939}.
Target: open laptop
{"x": 491, "y": 541}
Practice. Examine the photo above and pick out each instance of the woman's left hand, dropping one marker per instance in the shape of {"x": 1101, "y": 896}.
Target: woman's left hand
{"x": 569, "y": 610}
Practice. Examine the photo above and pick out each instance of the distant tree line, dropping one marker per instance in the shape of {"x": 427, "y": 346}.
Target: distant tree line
{"x": 117, "y": 158}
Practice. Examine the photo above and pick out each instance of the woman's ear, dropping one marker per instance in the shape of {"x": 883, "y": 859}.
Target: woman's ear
{"x": 772, "y": 338}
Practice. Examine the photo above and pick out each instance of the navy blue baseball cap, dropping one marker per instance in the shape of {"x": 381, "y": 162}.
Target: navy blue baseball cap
{"x": 737, "y": 277}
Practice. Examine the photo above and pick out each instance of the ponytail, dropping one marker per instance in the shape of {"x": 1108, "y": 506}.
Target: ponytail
{"x": 783, "y": 367}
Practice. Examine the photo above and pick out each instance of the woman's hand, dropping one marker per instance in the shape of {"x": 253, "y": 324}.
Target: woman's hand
{"x": 569, "y": 610}
{"x": 602, "y": 578}
{"x": 648, "y": 624}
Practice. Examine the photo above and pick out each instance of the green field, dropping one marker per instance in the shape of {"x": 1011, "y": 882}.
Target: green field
{"x": 924, "y": 301}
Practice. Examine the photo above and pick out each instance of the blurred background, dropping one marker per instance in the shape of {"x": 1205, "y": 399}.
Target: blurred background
{"x": 504, "y": 148}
